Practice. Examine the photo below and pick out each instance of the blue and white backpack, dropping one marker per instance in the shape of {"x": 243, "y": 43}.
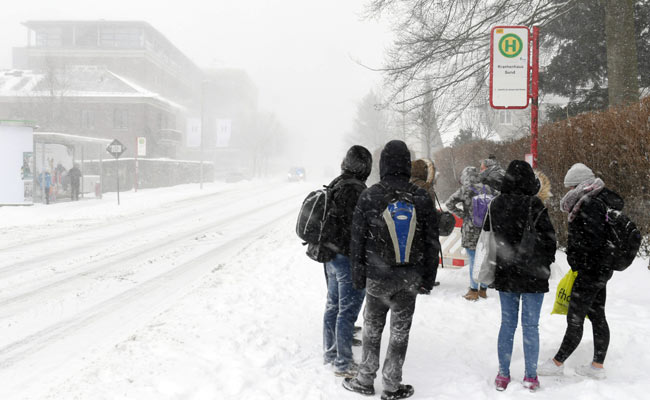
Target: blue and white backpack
{"x": 401, "y": 219}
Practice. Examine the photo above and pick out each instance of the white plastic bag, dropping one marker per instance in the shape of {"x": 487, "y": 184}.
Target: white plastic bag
{"x": 485, "y": 259}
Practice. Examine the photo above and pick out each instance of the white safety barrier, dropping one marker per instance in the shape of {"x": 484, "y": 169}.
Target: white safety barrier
{"x": 452, "y": 250}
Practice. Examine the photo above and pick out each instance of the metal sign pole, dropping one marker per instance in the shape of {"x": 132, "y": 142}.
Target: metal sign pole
{"x": 117, "y": 174}
{"x": 534, "y": 117}
{"x": 137, "y": 149}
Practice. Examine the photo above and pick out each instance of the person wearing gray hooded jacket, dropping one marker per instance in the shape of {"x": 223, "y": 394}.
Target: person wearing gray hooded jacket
{"x": 470, "y": 187}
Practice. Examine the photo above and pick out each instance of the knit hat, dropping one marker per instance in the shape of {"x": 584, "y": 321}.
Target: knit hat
{"x": 577, "y": 174}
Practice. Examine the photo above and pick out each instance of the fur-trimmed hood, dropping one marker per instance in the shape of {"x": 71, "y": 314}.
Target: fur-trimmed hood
{"x": 423, "y": 170}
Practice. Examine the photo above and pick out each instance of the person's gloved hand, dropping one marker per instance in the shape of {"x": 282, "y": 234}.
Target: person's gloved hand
{"x": 423, "y": 290}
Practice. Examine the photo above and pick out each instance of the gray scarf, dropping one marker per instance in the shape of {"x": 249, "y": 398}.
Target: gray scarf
{"x": 572, "y": 201}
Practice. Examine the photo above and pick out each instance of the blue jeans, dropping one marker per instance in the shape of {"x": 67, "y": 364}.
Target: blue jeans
{"x": 341, "y": 311}
{"x": 531, "y": 306}
{"x": 472, "y": 283}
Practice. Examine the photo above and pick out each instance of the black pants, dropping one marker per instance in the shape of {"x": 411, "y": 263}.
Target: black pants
{"x": 74, "y": 192}
{"x": 587, "y": 299}
{"x": 401, "y": 303}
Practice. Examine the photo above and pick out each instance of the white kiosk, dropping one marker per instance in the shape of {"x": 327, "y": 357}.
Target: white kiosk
{"x": 17, "y": 164}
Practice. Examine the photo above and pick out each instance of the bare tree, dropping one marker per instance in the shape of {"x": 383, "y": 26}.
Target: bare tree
{"x": 372, "y": 126}
{"x": 447, "y": 41}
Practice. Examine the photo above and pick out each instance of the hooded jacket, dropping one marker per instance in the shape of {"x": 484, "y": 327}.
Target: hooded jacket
{"x": 493, "y": 174}
{"x": 587, "y": 242}
{"x": 347, "y": 188}
{"x": 371, "y": 247}
{"x": 470, "y": 187}
{"x": 509, "y": 215}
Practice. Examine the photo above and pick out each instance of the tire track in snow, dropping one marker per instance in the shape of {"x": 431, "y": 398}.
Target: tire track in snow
{"x": 56, "y": 351}
{"x": 169, "y": 207}
{"x": 14, "y": 304}
{"x": 80, "y": 248}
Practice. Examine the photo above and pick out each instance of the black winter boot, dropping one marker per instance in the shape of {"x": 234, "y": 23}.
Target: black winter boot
{"x": 353, "y": 385}
{"x": 403, "y": 392}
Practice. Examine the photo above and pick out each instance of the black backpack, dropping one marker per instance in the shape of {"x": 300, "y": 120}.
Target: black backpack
{"x": 314, "y": 225}
{"x": 526, "y": 258}
{"x": 623, "y": 239}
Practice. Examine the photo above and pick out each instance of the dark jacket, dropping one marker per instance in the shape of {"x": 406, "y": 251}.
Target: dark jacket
{"x": 509, "y": 215}
{"x": 586, "y": 247}
{"x": 348, "y": 186}
{"x": 492, "y": 175}
{"x": 75, "y": 176}
{"x": 370, "y": 245}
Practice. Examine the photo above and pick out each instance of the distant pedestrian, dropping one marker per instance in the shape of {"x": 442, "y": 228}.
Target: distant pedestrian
{"x": 586, "y": 204}
{"x": 492, "y": 173}
{"x": 343, "y": 300}
{"x": 521, "y": 276}
{"x": 75, "y": 180}
{"x": 394, "y": 255}
{"x": 45, "y": 180}
{"x": 470, "y": 187}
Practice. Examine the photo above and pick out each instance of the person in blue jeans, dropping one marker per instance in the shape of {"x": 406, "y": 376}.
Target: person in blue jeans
{"x": 343, "y": 300}
{"x": 342, "y": 309}
{"x": 521, "y": 276}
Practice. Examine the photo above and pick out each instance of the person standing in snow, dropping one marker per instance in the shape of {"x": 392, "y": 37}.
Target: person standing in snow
{"x": 343, "y": 300}
{"x": 423, "y": 173}
{"x": 520, "y": 279}
{"x": 491, "y": 173}
{"x": 391, "y": 285}
{"x": 75, "y": 179}
{"x": 470, "y": 187}
{"x": 45, "y": 180}
{"x": 586, "y": 203}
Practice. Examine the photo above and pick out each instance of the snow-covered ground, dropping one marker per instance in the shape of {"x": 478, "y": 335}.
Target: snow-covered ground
{"x": 180, "y": 293}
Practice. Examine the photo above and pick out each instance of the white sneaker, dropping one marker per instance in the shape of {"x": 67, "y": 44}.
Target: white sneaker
{"x": 590, "y": 371}
{"x": 549, "y": 368}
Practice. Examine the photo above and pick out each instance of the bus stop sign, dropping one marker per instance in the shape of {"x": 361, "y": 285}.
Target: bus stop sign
{"x": 116, "y": 148}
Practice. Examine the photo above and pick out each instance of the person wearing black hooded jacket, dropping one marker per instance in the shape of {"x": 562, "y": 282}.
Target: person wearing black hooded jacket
{"x": 520, "y": 279}
{"x": 390, "y": 286}
{"x": 343, "y": 300}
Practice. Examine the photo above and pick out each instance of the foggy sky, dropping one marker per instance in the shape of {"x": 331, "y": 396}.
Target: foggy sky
{"x": 300, "y": 53}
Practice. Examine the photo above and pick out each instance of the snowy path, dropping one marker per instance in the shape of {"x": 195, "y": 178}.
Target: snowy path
{"x": 97, "y": 298}
{"x": 214, "y": 316}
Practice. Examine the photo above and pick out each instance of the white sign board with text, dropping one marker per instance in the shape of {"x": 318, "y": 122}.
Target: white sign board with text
{"x": 193, "y": 136}
{"x": 509, "y": 67}
{"x": 142, "y": 146}
{"x": 224, "y": 130}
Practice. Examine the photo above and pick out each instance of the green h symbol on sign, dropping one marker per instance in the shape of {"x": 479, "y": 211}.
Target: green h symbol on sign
{"x": 510, "y": 45}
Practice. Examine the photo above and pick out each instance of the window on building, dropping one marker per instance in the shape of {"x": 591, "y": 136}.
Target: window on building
{"x": 505, "y": 117}
{"x": 86, "y": 36}
{"x": 87, "y": 119}
{"x": 120, "y": 118}
{"x": 49, "y": 37}
{"x": 122, "y": 37}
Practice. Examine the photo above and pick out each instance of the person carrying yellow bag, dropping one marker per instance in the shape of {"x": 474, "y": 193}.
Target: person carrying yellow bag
{"x": 586, "y": 203}
{"x": 563, "y": 293}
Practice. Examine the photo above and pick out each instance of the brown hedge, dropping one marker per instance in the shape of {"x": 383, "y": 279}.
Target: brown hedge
{"x": 615, "y": 144}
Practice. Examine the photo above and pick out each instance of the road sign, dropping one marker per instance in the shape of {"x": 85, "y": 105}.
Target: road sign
{"x": 116, "y": 148}
{"x": 509, "y": 67}
{"x": 142, "y": 146}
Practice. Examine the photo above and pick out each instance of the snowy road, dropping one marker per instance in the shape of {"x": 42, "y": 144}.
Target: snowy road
{"x": 66, "y": 295}
{"x": 207, "y": 295}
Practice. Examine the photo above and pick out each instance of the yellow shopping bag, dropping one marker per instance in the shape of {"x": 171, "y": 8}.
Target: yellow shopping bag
{"x": 563, "y": 294}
